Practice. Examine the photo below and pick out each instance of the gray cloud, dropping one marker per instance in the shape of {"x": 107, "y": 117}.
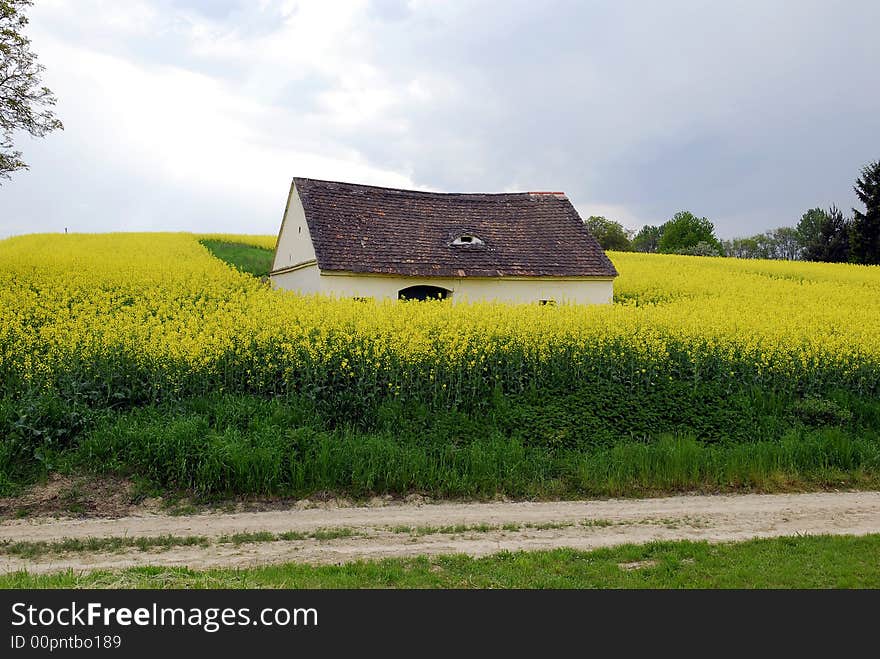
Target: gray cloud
{"x": 748, "y": 113}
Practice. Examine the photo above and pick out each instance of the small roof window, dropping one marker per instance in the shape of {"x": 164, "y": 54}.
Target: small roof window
{"x": 467, "y": 239}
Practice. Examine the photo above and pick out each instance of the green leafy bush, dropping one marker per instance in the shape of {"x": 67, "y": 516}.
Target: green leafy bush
{"x": 817, "y": 412}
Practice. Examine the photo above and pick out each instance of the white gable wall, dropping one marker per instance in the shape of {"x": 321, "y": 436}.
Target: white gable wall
{"x": 305, "y": 280}
{"x": 583, "y": 290}
{"x": 294, "y": 241}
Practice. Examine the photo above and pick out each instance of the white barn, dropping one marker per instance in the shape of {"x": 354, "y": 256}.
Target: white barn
{"x": 363, "y": 241}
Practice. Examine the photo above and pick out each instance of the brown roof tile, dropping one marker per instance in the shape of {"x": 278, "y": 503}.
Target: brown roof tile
{"x": 361, "y": 228}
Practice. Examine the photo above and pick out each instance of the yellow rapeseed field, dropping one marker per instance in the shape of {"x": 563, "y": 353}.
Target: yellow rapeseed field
{"x": 159, "y": 303}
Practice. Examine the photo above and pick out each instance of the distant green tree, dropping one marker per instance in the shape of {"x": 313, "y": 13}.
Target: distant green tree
{"x": 647, "y": 239}
{"x": 864, "y": 232}
{"x": 786, "y": 243}
{"x": 741, "y": 248}
{"x": 831, "y": 241}
{"x": 610, "y": 234}
{"x": 781, "y": 243}
{"x": 685, "y": 230}
{"x": 702, "y": 248}
{"x": 809, "y": 229}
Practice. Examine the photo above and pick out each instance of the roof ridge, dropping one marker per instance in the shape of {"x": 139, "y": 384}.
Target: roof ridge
{"x": 429, "y": 192}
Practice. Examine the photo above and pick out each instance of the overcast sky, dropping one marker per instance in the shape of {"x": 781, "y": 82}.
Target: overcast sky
{"x": 194, "y": 115}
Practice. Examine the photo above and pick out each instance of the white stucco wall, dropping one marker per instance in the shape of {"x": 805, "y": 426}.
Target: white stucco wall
{"x": 309, "y": 279}
{"x": 305, "y": 280}
{"x": 294, "y": 242}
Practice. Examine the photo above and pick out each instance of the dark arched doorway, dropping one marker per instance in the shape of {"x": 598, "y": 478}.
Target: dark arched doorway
{"x": 423, "y": 293}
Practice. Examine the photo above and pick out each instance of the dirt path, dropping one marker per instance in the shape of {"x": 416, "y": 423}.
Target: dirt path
{"x": 407, "y": 529}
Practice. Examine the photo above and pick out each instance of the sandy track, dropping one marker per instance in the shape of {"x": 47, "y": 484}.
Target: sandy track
{"x": 577, "y": 524}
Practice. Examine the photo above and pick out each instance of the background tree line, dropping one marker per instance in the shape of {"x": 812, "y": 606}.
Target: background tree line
{"x": 685, "y": 233}
{"x": 820, "y": 235}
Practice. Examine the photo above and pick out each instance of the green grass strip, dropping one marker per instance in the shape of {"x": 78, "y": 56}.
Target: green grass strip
{"x": 33, "y": 549}
{"x": 790, "y": 562}
{"x": 255, "y": 261}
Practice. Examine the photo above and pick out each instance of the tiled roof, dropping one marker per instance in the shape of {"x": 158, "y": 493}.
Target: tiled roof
{"x": 361, "y": 228}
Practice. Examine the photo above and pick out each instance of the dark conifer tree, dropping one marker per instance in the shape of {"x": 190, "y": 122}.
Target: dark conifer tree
{"x": 834, "y": 238}
{"x": 865, "y": 229}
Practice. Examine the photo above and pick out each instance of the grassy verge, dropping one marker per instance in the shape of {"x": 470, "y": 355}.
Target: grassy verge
{"x": 217, "y": 452}
{"x": 794, "y": 562}
{"x": 228, "y": 445}
{"x": 247, "y": 258}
